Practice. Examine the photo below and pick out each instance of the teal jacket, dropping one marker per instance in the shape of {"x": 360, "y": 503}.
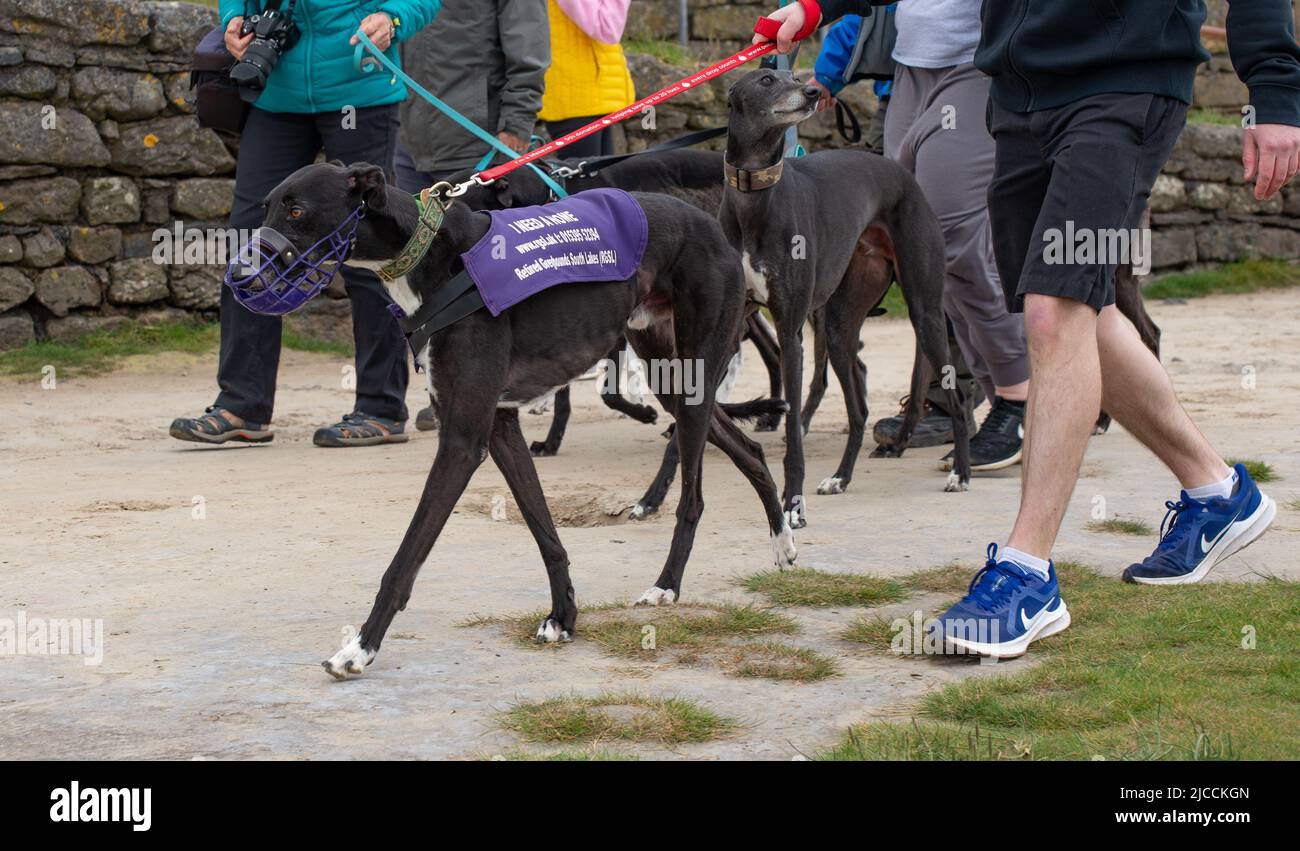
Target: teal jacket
{"x": 317, "y": 74}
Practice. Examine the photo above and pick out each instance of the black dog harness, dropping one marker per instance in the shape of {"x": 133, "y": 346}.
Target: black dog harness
{"x": 453, "y": 301}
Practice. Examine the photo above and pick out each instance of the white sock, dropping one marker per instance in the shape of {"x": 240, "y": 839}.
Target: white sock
{"x": 1024, "y": 560}
{"x": 1221, "y": 489}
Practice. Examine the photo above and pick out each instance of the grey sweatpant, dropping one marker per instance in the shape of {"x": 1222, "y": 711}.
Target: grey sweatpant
{"x": 935, "y": 129}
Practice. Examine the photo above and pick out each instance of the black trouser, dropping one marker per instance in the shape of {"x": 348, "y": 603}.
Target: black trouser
{"x": 598, "y": 144}
{"x": 273, "y": 146}
{"x": 410, "y": 179}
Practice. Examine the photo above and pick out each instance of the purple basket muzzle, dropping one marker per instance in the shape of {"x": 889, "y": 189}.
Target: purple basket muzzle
{"x": 271, "y": 277}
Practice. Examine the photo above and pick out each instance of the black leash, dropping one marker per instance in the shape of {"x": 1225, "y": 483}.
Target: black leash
{"x": 591, "y": 166}
{"x": 843, "y": 113}
{"x": 453, "y": 301}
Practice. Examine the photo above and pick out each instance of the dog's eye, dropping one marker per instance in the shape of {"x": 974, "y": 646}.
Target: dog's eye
{"x": 295, "y": 212}
{"x": 767, "y": 79}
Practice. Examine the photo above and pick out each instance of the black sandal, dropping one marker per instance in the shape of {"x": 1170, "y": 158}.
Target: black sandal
{"x": 214, "y": 428}
{"x": 360, "y": 429}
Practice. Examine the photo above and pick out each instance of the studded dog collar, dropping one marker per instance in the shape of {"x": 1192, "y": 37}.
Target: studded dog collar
{"x": 752, "y": 179}
{"x": 432, "y": 210}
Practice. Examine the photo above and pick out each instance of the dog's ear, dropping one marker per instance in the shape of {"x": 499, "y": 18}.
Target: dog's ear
{"x": 501, "y": 186}
{"x": 369, "y": 183}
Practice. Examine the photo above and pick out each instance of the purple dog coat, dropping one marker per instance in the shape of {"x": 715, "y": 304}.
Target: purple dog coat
{"x": 597, "y": 235}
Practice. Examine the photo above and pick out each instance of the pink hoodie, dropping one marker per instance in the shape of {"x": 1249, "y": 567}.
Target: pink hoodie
{"x": 603, "y": 20}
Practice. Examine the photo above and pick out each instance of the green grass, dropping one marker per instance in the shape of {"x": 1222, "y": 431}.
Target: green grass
{"x": 1121, "y": 526}
{"x": 772, "y": 660}
{"x": 1209, "y": 116}
{"x": 101, "y": 351}
{"x": 893, "y": 303}
{"x": 807, "y": 587}
{"x": 291, "y": 339}
{"x": 1142, "y": 673}
{"x": 684, "y": 631}
{"x": 668, "y": 721}
{"x": 104, "y": 350}
{"x": 1260, "y": 471}
{"x": 952, "y": 577}
{"x": 875, "y": 631}
{"x": 1244, "y": 276}
{"x": 591, "y": 755}
{"x": 735, "y": 639}
{"x": 665, "y": 50}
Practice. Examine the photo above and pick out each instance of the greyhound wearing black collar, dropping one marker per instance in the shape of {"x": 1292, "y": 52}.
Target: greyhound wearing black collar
{"x": 827, "y": 232}
{"x": 686, "y": 300}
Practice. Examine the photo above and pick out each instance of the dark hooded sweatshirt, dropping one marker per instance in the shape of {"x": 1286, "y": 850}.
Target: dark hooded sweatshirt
{"x": 1046, "y": 53}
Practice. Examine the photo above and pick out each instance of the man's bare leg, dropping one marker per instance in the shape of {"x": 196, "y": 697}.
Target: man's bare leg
{"x": 1064, "y": 397}
{"x": 1137, "y": 392}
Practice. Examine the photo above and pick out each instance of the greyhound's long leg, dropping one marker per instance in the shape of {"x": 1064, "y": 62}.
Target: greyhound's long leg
{"x": 792, "y": 382}
{"x": 461, "y": 448}
{"x": 817, "y": 387}
{"x": 932, "y": 336}
{"x": 758, "y": 332}
{"x": 690, "y": 434}
{"x": 843, "y": 345}
{"x": 920, "y": 383}
{"x": 747, "y": 455}
{"x": 511, "y": 455}
{"x": 559, "y": 422}
{"x": 611, "y": 392}
{"x": 654, "y": 495}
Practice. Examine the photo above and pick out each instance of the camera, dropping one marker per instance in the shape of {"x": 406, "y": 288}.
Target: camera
{"x": 273, "y": 32}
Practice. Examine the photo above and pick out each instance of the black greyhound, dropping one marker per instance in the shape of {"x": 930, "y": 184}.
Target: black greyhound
{"x": 686, "y": 301}
{"x": 695, "y": 176}
{"x": 822, "y": 232}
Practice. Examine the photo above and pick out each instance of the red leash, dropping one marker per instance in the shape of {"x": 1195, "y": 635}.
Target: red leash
{"x": 765, "y": 27}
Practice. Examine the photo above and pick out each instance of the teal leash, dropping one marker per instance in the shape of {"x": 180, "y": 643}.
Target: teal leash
{"x": 367, "y": 64}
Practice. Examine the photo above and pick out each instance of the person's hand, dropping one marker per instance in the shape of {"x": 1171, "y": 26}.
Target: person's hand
{"x": 792, "y": 20}
{"x": 513, "y": 142}
{"x": 1271, "y": 155}
{"x": 827, "y": 100}
{"x": 234, "y": 43}
{"x": 378, "y": 28}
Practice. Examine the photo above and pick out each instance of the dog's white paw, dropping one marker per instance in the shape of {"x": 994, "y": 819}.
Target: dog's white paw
{"x": 657, "y": 596}
{"x": 351, "y": 659}
{"x": 551, "y": 632}
{"x": 783, "y": 548}
{"x": 955, "y": 484}
{"x": 831, "y": 485}
{"x": 794, "y": 515}
{"x": 637, "y": 512}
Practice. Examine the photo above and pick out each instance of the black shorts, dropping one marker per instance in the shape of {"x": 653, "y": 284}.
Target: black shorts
{"x": 1071, "y": 177}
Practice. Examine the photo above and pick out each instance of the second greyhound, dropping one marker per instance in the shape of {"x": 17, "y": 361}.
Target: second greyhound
{"x": 823, "y": 232}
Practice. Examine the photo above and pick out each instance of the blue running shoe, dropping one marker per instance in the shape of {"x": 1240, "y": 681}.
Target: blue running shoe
{"x": 1196, "y": 535}
{"x": 1005, "y": 609}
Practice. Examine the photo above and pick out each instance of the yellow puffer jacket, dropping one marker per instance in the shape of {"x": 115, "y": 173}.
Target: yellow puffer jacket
{"x": 585, "y": 77}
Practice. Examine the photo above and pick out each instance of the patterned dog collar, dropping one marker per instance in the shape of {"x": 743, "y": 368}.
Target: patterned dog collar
{"x": 432, "y": 210}
{"x": 752, "y": 180}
